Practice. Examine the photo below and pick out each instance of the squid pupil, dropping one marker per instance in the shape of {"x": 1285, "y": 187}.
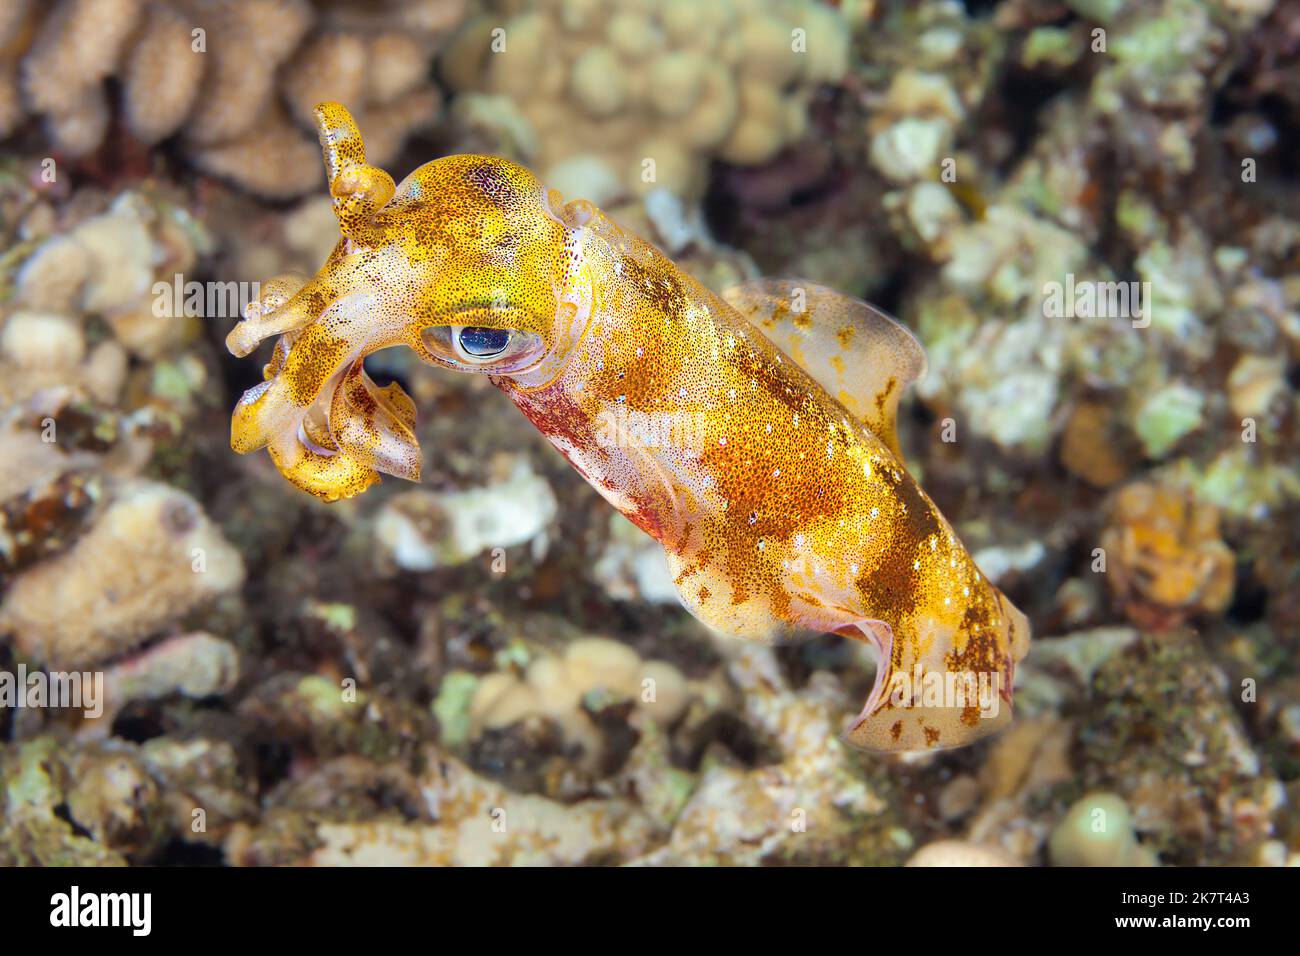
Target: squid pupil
{"x": 481, "y": 342}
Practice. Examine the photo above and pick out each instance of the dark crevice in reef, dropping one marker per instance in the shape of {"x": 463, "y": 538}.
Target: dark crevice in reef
{"x": 1116, "y": 250}
{"x": 272, "y": 758}
{"x": 138, "y": 724}
{"x": 180, "y": 853}
{"x": 1019, "y": 103}
{"x": 721, "y": 208}
{"x": 1249, "y": 599}
{"x": 891, "y": 293}
{"x": 63, "y": 813}
{"x": 7, "y": 665}
{"x": 1284, "y": 117}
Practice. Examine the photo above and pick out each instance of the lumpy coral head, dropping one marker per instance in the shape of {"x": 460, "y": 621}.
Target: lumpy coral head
{"x": 463, "y": 241}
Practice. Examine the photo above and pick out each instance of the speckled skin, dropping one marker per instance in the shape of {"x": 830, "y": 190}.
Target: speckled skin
{"x": 752, "y": 437}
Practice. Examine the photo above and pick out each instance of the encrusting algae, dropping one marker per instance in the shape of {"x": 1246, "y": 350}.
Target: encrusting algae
{"x": 752, "y": 435}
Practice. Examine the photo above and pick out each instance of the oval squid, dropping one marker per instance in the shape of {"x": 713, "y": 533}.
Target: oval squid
{"x": 752, "y": 433}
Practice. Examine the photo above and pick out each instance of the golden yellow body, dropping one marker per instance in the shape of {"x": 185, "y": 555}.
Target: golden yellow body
{"x": 751, "y": 434}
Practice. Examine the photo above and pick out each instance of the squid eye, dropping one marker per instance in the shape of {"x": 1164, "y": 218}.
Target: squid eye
{"x": 482, "y": 343}
{"x": 474, "y": 348}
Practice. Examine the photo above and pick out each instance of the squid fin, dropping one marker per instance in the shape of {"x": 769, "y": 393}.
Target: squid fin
{"x": 862, "y": 356}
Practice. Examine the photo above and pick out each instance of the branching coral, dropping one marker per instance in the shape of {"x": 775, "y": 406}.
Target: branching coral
{"x": 236, "y": 80}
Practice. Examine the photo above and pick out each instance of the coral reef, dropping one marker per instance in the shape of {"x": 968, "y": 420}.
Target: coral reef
{"x": 1095, "y": 235}
{"x": 606, "y": 103}
{"x": 593, "y": 673}
{"x": 235, "y": 81}
{"x": 196, "y": 665}
{"x": 956, "y": 853}
{"x": 1166, "y": 557}
{"x": 473, "y": 822}
{"x": 420, "y": 530}
{"x": 817, "y": 805}
{"x": 1097, "y": 831}
{"x": 147, "y": 560}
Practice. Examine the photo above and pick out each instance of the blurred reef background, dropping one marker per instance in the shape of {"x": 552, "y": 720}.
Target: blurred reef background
{"x": 376, "y": 681}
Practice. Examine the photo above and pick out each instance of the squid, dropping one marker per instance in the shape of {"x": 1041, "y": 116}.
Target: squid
{"x": 751, "y": 433}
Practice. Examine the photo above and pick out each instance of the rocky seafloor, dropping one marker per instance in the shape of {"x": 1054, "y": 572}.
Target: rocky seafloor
{"x": 455, "y": 672}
